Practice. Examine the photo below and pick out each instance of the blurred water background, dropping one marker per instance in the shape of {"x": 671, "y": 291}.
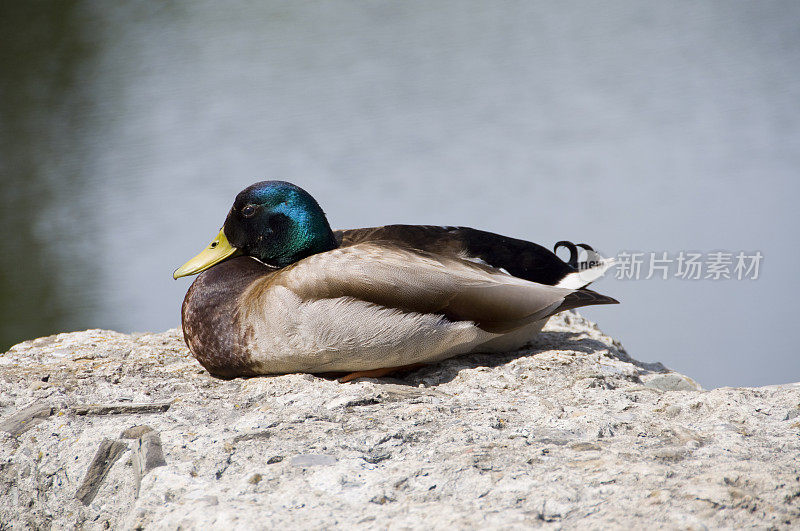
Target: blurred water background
{"x": 126, "y": 129}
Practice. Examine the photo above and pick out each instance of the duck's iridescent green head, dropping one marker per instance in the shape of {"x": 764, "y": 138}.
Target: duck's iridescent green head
{"x": 275, "y": 221}
{"x": 278, "y": 223}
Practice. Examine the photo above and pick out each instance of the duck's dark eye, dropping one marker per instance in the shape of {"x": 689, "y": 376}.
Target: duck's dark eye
{"x": 248, "y": 211}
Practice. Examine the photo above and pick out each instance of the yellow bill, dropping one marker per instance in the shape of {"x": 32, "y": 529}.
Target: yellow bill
{"x": 217, "y": 251}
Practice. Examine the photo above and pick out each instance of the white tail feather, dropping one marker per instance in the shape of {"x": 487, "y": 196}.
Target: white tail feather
{"x": 584, "y": 277}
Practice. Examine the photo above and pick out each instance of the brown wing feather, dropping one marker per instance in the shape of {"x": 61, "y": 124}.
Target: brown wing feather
{"x": 520, "y": 258}
{"x": 416, "y": 281}
{"x": 584, "y": 297}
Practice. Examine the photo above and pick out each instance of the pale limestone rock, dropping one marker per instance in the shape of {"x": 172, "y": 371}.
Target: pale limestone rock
{"x": 568, "y": 433}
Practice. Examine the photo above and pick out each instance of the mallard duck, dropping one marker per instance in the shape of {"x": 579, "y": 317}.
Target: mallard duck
{"x": 280, "y": 292}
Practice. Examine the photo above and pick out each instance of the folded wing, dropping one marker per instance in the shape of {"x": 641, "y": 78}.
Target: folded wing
{"x": 410, "y": 280}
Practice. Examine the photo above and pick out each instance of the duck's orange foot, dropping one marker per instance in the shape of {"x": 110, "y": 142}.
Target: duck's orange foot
{"x": 377, "y": 373}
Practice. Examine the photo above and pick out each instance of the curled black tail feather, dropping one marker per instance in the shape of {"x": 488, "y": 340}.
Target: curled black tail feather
{"x": 574, "y": 254}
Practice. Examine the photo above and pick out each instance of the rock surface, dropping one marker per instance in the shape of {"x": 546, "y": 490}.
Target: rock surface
{"x": 102, "y": 429}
